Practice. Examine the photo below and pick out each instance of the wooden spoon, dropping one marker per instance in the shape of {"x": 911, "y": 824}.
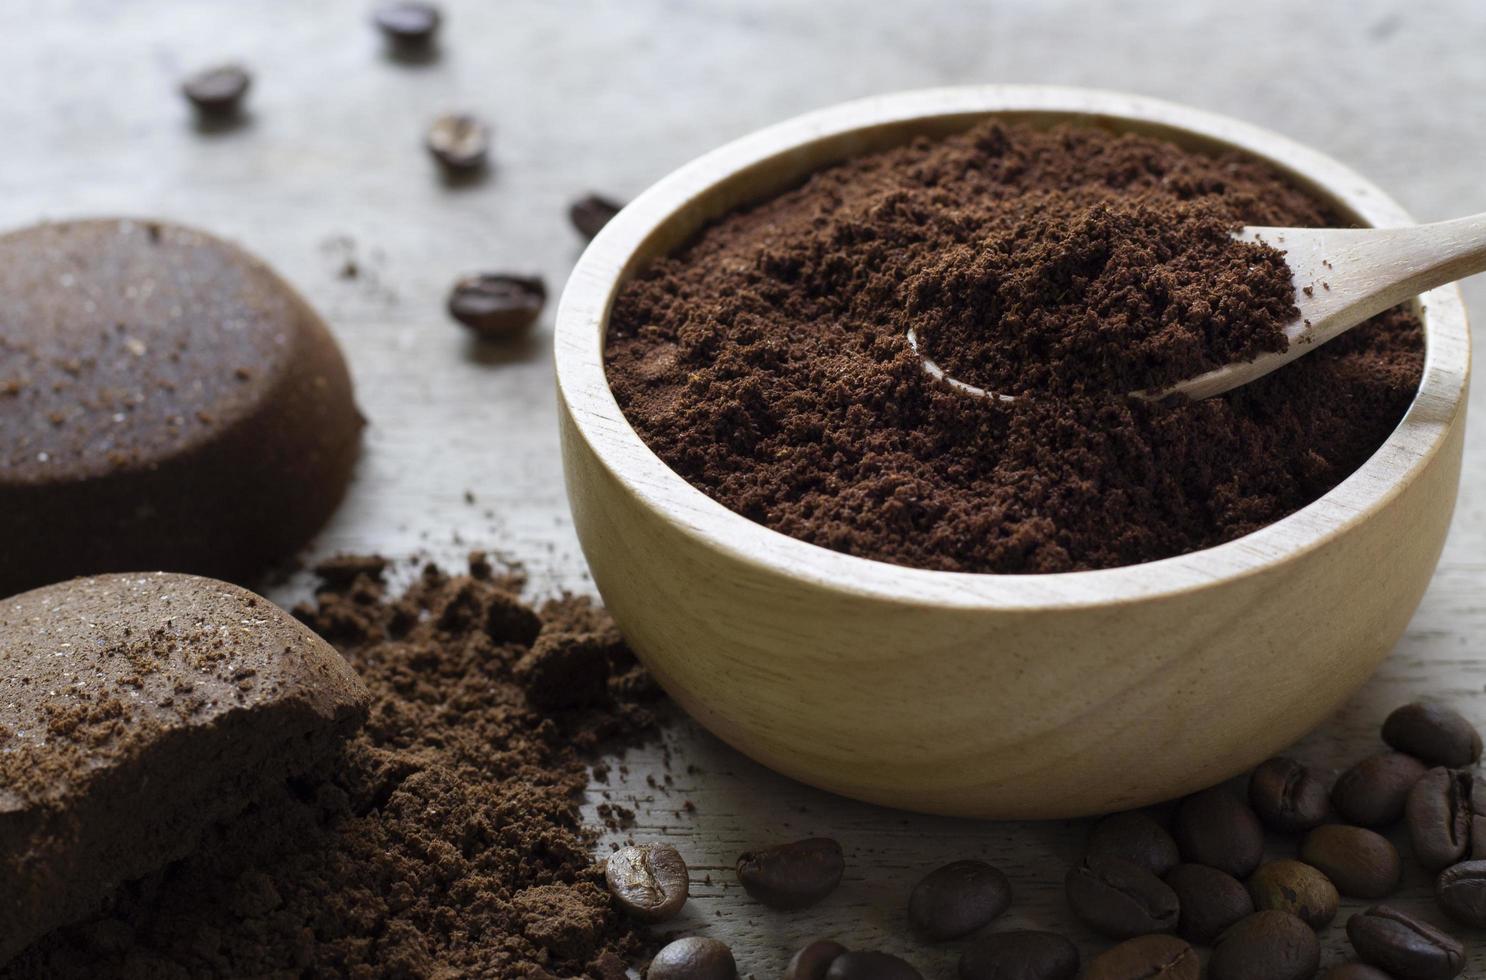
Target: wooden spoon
{"x": 1343, "y": 276}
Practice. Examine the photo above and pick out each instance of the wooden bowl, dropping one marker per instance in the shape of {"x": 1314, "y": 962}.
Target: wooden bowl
{"x": 1003, "y": 696}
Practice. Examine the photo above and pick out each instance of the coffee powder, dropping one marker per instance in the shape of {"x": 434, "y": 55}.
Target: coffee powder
{"x": 446, "y": 839}
{"x": 767, "y": 362}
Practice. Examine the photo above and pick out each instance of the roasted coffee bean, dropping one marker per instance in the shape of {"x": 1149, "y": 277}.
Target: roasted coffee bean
{"x": 1268, "y": 945}
{"x": 1461, "y": 892}
{"x": 1296, "y": 888}
{"x": 459, "y": 141}
{"x": 1288, "y": 796}
{"x": 648, "y": 881}
{"x": 1359, "y": 862}
{"x": 1403, "y": 946}
{"x": 1373, "y": 792}
{"x": 1137, "y": 838}
{"x": 1438, "y": 735}
{"x": 792, "y": 876}
{"x": 1438, "y": 815}
{"x": 957, "y": 899}
{"x": 871, "y": 966}
{"x": 217, "y": 91}
{"x": 812, "y": 962}
{"x": 408, "y": 23}
{"x": 1218, "y": 829}
{"x": 1119, "y": 899}
{"x": 1146, "y": 958}
{"x": 1020, "y": 955}
{"x": 693, "y": 958}
{"x": 1210, "y": 900}
{"x": 1355, "y": 971}
{"x": 497, "y": 306}
{"x": 589, "y": 214}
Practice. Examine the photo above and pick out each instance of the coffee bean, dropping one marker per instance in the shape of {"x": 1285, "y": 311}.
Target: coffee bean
{"x": 217, "y": 91}
{"x": 1218, "y": 829}
{"x": 1020, "y": 955}
{"x": 1268, "y": 945}
{"x": 1373, "y": 792}
{"x": 1439, "y": 735}
{"x": 1355, "y": 971}
{"x": 1146, "y": 958}
{"x": 1461, "y": 892}
{"x": 792, "y": 876}
{"x": 1438, "y": 815}
{"x": 1137, "y": 838}
{"x": 1402, "y": 945}
{"x": 1210, "y": 900}
{"x": 812, "y": 962}
{"x": 408, "y": 23}
{"x": 1296, "y": 888}
{"x": 871, "y": 966}
{"x": 497, "y": 306}
{"x": 1119, "y": 899}
{"x": 589, "y": 214}
{"x": 648, "y": 881}
{"x": 957, "y": 899}
{"x": 458, "y": 141}
{"x": 1288, "y": 796}
{"x": 1359, "y": 862}
{"x": 693, "y": 958}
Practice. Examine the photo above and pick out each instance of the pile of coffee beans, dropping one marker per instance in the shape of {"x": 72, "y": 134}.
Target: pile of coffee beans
{"x": 1160, "y": 883}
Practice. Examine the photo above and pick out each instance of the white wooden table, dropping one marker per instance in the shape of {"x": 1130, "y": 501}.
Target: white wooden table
{"x": 609, "y": 96}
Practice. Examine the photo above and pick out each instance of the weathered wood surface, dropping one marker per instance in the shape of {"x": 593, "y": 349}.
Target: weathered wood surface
{"x": 610, "y": 97}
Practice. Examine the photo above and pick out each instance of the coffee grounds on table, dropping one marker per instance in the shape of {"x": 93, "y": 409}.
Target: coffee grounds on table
{"x": 767, "y": 361}
{"x": 445, "y": 840}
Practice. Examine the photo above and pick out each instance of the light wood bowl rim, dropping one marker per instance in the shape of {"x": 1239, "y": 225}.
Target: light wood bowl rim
{"x": 611, "y": 258}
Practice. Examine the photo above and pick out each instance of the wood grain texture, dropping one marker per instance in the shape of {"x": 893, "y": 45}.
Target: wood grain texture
{"x": 596, "y": 96}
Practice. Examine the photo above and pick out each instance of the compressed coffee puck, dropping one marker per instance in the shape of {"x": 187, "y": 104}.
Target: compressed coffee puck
{"x": 166, "y": 402}
{"x": 136, "y": 710}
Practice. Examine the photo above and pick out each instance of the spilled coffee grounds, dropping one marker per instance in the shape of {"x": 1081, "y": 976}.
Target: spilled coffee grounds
{"x": 445, "y": 840}
{"x": 767, "y": 362}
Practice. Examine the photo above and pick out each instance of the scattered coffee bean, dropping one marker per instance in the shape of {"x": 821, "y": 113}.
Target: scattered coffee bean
{"x": 693, "y": 958}
{"x": 648, "y": 881}
{"x": 1439, "y": 735}
{"x": 1218, "y": 829}
{"x": 1439, "y": 816}
{"x": 1461, "y": 892}
{"x": 1403, "y": 946}
{"x": 1146, "y": 958}
{"x": 1119, "y": 899}
{"x": 1137, "y": 838}
{"x": 957, "y": 899}
{"x": 1210, "y": 901}
{"x": 1288, "y": 796}
{"x": 1268, "y": 945}
{"x": 1020, "y": 955}
{"x": 217, "y": 91}
{"x": 871, "y": 966}
{"x": 1296, "y": 888}
{"x": 1355, "y": 971}
{"x": 812, "y": 962}
{"x": 408, "y": 23}
{"x": 1373, "y": 792}
{"x": 458, "y": 141}
{"x": 497, "y": 306}
{"x": 589, "y": 214}
{"x": 792, "y": 876}
{"x": 1359, "y": 862}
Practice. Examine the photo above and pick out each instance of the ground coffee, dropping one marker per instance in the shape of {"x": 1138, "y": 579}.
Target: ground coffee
{"x": 767, "y": 361}
{"x": 445, "y": 840}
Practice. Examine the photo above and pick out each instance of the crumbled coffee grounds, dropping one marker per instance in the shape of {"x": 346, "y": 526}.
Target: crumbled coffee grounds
{"x": 767, "y": 361}
{"x": 445, "y": 840}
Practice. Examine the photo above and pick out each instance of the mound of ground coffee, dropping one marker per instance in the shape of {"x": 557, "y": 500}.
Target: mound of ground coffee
{"x": 767, "y": 361}
{"x": 445, "y": 840}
